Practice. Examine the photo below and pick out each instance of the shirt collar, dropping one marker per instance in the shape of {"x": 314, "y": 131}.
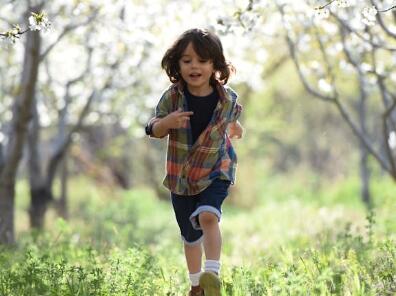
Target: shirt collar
{"x": 223, "y": 96}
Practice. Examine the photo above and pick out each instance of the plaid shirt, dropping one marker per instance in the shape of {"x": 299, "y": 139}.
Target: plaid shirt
{"x": 192, "y": 167}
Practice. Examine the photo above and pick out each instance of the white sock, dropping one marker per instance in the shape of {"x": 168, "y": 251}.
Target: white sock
{"x": 194, "y": 278}
{"x": 213, "y": 266}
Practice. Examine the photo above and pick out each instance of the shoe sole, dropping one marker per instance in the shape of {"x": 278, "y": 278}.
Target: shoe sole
{"x": 210, "y": 283}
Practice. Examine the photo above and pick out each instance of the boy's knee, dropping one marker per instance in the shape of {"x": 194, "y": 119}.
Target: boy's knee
{"x": 207, "y": 219}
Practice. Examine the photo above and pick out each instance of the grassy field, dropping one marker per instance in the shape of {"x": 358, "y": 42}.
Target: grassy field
{"x": 291, "y": 242}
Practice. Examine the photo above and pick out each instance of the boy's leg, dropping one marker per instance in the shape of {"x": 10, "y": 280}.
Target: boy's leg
{"x": 209, "y": 280}
{"x": 193, "y": 255}
{"x": 207, "y": 217}
{"x": 183, "y": 207}
{"x": 212, "y": 237}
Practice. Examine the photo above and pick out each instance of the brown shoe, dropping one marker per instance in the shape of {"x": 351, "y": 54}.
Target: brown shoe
{"x": 210, "y": 283}
{"x": 196, "y": 291}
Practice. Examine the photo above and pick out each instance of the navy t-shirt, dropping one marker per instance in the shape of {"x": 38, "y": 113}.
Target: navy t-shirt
{"x": 203, "y": 108}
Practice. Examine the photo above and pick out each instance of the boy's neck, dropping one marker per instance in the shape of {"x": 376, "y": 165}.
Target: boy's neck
{"x": 200, "y": 92}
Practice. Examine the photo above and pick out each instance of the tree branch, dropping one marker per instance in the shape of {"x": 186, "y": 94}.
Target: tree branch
{"x": 57, "y": 156}
{"x": 356, "y": 65}
{"x": 385, "y": 116}
{"x": 385, "y": 94}
{"x": 325, "y": 5}
{"x": 329, "y": 68}
{"x": 293, "y": 53}
{"x": 334, "y": 99}
{"x": 371, "y": 42}
{"x": 381, "y": 21}
{"x": 68, "y": 29}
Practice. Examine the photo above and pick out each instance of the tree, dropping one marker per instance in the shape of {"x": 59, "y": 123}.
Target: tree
{"x": 322, "y": 43}
{"x": 18, "y": 129}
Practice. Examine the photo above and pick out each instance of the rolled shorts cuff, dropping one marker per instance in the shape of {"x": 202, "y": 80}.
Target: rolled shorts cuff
{"x": 199, "y": 210}
{"x": 192, "y": 243}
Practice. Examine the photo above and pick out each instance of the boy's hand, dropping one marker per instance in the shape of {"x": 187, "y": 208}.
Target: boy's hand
{"x": 235, "y": 130}
{"x": 177, "y": 119}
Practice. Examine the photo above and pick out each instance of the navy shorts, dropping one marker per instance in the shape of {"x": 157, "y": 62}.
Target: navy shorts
{"x": 188, "y": 207}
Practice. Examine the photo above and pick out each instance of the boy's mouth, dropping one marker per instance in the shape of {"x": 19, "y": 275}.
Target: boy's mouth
{"x": 195, "y": 75}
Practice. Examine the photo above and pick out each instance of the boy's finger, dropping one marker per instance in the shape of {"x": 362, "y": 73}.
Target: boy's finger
{"x": 188, "y": 113}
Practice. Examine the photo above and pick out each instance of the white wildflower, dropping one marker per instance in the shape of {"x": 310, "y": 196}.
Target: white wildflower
{"x": 325, "y": 86}
{"x": 369, "y": 15}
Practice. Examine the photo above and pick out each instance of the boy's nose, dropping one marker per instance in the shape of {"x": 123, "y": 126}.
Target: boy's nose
{"x": 194, "y": 64}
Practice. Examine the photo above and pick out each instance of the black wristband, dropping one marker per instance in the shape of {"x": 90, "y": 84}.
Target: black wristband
{"x": 149, "y": 129}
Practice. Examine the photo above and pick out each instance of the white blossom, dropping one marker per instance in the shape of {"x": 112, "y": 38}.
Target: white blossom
{"x": 366, "y": 67}
{"x": 8, "y": 39}
{"x": 369, "y": 15}
{"x": 392, "y": 140}
{"x": 343, "y": 3}
{"x": 12, "y": 35}
{"x": 249, "y": 20}
{"x": 325, "y": 86}
{"x": 316, "y": 68}
{"x": 329, "y": 27}
{"x": 322, "y": 13}
{"x": 39, "y": 21}
{"x": 393, "y": 77}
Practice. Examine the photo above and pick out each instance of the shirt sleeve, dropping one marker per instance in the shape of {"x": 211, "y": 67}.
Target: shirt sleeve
{"x": 236, "y": 109}
{"x": 162, "y": 109}
{"x": 164, "y": 105}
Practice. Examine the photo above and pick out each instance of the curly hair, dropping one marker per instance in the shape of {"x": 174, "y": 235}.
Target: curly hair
{"x": 207, "y": 45}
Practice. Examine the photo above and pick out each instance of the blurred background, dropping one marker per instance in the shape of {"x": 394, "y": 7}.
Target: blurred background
{"x": 99, "y": 78}
{"x": 317, "y": 172}
{"x": 318, "y": 90}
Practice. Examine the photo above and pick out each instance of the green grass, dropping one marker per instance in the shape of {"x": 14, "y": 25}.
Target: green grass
{"x": 127, "y": 243}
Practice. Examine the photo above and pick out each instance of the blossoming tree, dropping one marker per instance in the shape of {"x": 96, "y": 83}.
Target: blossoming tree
{"x": 335, "y": 45}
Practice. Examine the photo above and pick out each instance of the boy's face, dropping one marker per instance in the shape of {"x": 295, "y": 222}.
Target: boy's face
{"x": 196, "y": 71}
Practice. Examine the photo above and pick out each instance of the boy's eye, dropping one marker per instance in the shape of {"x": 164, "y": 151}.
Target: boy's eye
{"x": 203, "y": 61}
{"x": 185, "y": 61}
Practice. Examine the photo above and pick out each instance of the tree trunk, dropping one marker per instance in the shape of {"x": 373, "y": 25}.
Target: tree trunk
{"x": 363, "y": 163}
{"x": 364, "y": 177}
{"x": 2, "y": 160}
{"x": 17, "y": 134}
{"x": 7, "y": 214}
{"x": 40, "y": 194}
{"x": 62, "y": 204}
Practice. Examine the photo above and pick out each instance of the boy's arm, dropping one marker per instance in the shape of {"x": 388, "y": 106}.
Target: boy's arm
{"x": 160, "y": 126}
